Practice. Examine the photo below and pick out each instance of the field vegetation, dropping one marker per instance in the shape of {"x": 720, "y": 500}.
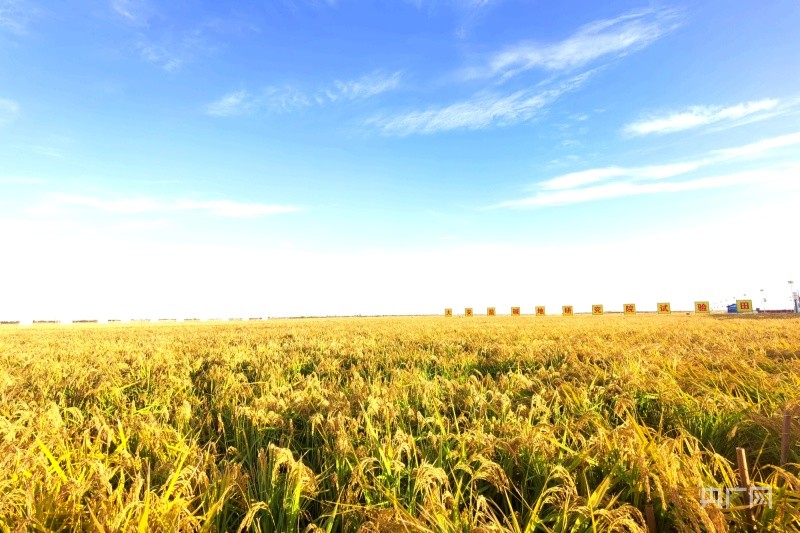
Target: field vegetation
{"x": 502, "y": 424}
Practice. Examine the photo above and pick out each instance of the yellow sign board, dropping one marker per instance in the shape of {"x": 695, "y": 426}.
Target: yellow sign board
{"x": 467, "y": 311}
{"x": 448, "y": 311}
{"x": 490, "y": 311}
{"x": 629, "y": 309}
{"x": 744, "y": 306}
{"x": 597, "y": 309}
{"x": 664, "y": 308}
{"x": 539, "y": 310}
{"x": 515, "y": 311}
{"x": 702, "y": 307}
{"x": 566, "y": 310}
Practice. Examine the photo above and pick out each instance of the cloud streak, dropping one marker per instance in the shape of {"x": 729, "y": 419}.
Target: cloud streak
{"x": 168, "y": 47}
{"x": 774, "y": 174}
{"x": 697, "y": 116}
{"x": 231, "y": 104}
{"x": 603, "y": 39}
{"x": 58, "y": 204}
{"x": 166, "y": 58}
{"x": 481, "y": 111}
{"x": 288, "y": 98}
{"x": 600, "y": 39}
{"x": 612, "y": 182}
{"x": 14, "y": 16}
{"x": 133, "y": 12}
{"x": 364, "y": 87}
{"x": 8, "y": 110}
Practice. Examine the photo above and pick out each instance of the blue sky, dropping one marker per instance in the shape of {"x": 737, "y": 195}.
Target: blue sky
{"x": 341, "y": 157}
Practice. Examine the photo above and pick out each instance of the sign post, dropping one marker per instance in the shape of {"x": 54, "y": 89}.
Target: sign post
{"x": 515, "y": 311}
{"x": 490, "y": 311}
{"x": 664, "y": 308}
{"x": 629, "y": 309}
{"x": 467, "y": 311}
{"x": 566, "y": 310}
{"x": 539, "y": 310}
{"x": 597, "y": 309}
{"x": 701, "y": 308}
{"x": 744, "y": 306}
{"x": 448, "y": 311}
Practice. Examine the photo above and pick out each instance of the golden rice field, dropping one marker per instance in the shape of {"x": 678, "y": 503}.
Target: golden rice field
{"x": 503, "y": 424}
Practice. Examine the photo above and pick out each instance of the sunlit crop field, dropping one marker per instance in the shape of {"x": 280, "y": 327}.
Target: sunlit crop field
{"x": 396, "y": 424}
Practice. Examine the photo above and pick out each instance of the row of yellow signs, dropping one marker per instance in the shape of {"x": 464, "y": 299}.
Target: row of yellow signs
{"x": 664, "y": 308}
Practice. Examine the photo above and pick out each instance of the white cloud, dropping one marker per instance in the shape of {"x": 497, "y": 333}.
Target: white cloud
{"x": 59, "y": 204}
{"x": 364, "y": 87}
{"x": 282, "y": 99}
{"x": 594, "y": 175}
{"x": 603, "y": 38}
{"x": 367, "y": 86}
{"x": 616, "y": 181}
{"x": 47, "y": 151}
{"x": 759, "y": 147}
{"x": 582, "y": 177}
{"x": 774, "y": 174}
{"x": 288, "y": 98}
{"x": 478, "y": 112}
{"x": 165, "y": 58}
{"x": 468, "y": 13}
{"x": 8, "y": 110}
{"x": 234, "y": 103}
{"x": 472, "y": 11}
{"x": 14, "y": 16}
{"x": 133, "y": 12}
{"x": 167, "y": 47}
{"x": 696, "y": 116}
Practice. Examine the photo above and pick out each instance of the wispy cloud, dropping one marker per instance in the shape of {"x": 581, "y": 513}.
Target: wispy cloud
{"x": 607, "y": 39}
{"x": 58, "y": 204}
{"x": 785, "y": 173}
{"x": 9, "y": 109}
{"x": 234, "y": 103}
{"x": 758, "y": 148}
{"x": 472, "y": 11}
{"x": 169, "y": 59}
{"x": 467, "y": 14}
{"x": 696, "y": 116}
{"x": 168, "y": 46}
{"x": 610, "y": 182}
{"x": 288, "y": 98}
{"x": 15, "y": 15}
{"x": 171, "y": 49}
{"x": 599, "y": 39}
{"x": 133, "y": 12}
{"x": 284, "y": 98}
{"x": 481, "y": 111}
{"x": 364, "y": 87}
{"x": 47, "y": 151}
{"x": 595, "y": 175}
